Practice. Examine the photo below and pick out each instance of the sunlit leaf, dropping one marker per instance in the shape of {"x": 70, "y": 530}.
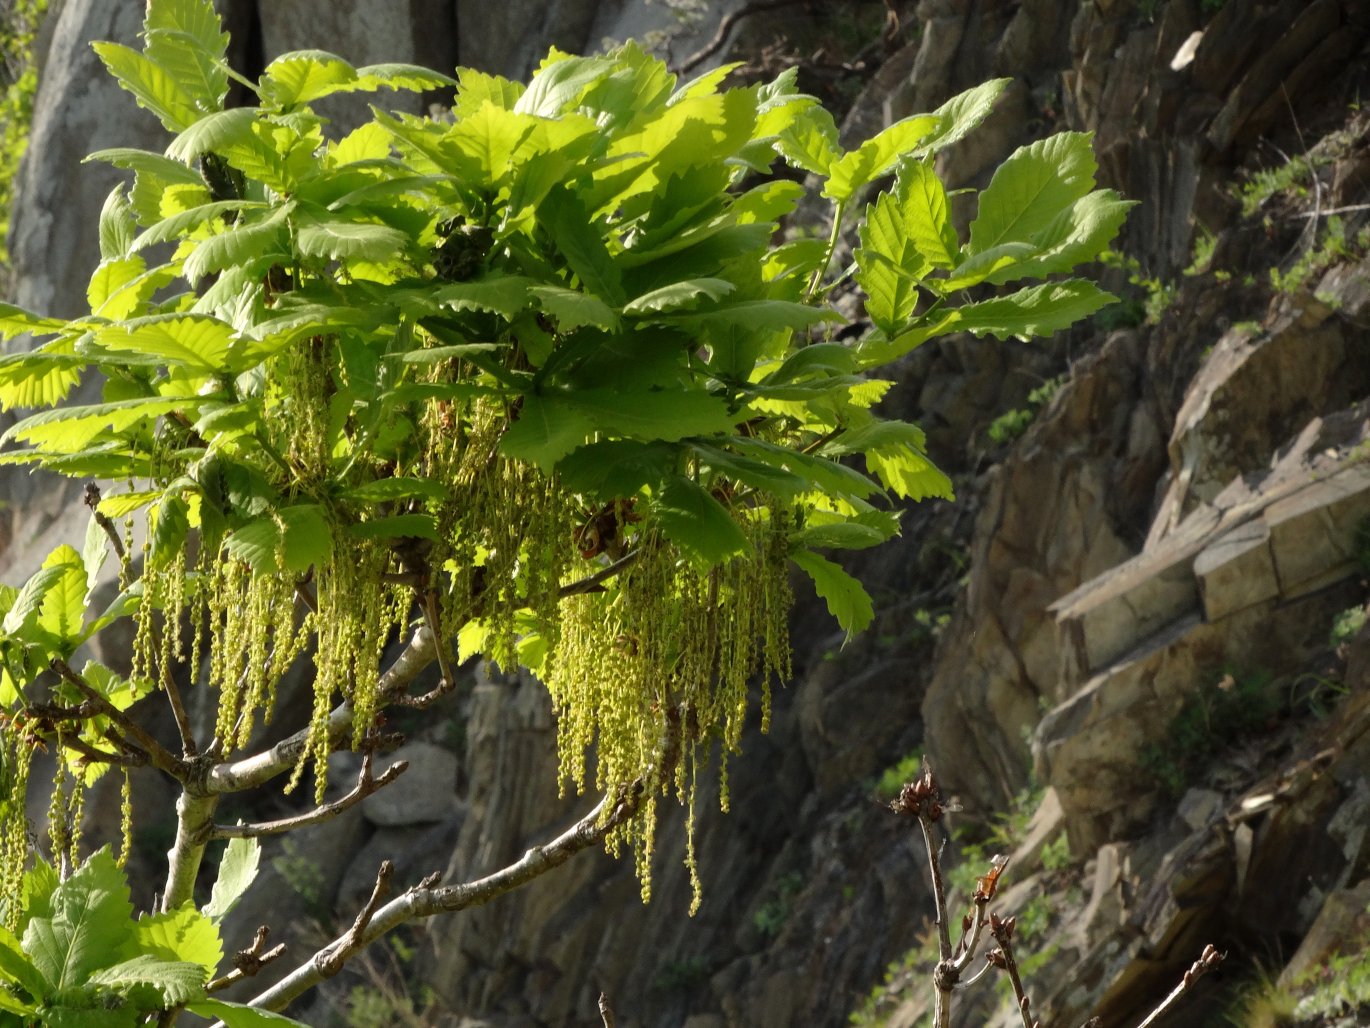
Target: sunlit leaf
{"x": 1030, "y": 189}
{"x": 237, "y": 871}
{"x": 877, "y": 155}
{"x": 186, "y": 38}
{"x": 155, "y": 89}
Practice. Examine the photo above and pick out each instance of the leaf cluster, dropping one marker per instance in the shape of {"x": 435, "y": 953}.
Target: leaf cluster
{"x": 80, "y": 959}
{"x": 593, "y": 253}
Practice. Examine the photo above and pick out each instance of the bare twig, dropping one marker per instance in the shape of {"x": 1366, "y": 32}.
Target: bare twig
{"x": 247, "y": 962}
{"x": 365, "y": 786}
{"x": 351, "y": 942}
{"x": 154, "y": 752}
{"x": 428, "y": 600}
{"x": 1332, "y": 210}
{"x": 606, "y": 1012}
{"x": 974, "y": 924}
{"x": 591, "y": 583}
{"x": 428, "y": 898}
{"x": 92, "y": 500}
{"x": 1312, "y": 230}
{"x": 178, "y": 711}
{"x": 1208, "y": 960}
{"x": 1002, "y": 930}
{"x": 97, "y": 756}
{"x": 725, "y": 28}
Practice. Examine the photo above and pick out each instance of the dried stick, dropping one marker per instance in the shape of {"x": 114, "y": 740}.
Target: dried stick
{"x": 428, "y": 600}
{"x": 1002, "y": 958}
{"x": 591, "y": 583}
{"x": 351, "y": 942}
{"x": 1208, "y": 960}
{"x": 606, "y": 1012}
{"x": 178, "y": 711}
{"x": 153, "y": 751}
{"x": 725, "y": 28}
{"x": 247, "y": 962}
{"x": 97, "y": 756}
{"x": 92, "y": 500}
{"x": 427, "y": 898}
{"x": 365, "y": 786}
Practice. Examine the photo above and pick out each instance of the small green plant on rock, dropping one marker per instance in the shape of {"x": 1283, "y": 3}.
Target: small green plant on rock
{"x": 19, "y": 23}
{"x": 1012, "y": 424}
{"x": 771, "y": 916}
{"x": 892, "y": 779}
{"x": 1211, "y": 719}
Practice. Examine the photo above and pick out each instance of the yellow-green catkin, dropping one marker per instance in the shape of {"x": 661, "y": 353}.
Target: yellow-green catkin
{"x": 76, "y": 813}
{"x": 66, "y": 808}
{"x": 125, "y": 819}
{"x": 306, "y": 385}
{"x": 15, "y": 757}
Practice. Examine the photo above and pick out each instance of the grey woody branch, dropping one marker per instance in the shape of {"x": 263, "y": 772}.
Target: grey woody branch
{"x": 366, "y": 785}
{"x": 428, "y": 898}
{"x": 249, "y": 772}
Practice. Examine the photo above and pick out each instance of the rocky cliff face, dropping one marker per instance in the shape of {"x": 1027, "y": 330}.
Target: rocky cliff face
{"x": 1125, "y": 618}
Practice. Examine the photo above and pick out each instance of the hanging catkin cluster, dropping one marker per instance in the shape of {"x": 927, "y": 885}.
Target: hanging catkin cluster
{"x": 650, "y": 673}
{"x": 356, "y": 614}
{"x": 256, "y": 630}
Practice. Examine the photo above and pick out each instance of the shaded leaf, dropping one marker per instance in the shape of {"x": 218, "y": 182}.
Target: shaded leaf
{"x": 680, "y": 295}
{"x": 288, "y": 539}
{"x": 397, "y": 489}
{"x": 1034, "y": 311}
{"x": 339, "y": 239}
{"x": 847, "y": 600}
{"x": 573, "y": 309}
{"x": 397, "y": 526}
{"x": 175, "y": 981}
{"x": 697, "y": 522}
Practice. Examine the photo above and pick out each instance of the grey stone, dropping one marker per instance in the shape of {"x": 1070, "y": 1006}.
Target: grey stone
{"x": 425, "y": 792}
{"x": 364, "y": 32}
{"x": 1237, "y": 571}
{"x": 1198, "y": 808}
{"x": 414, "y": 851}
{"x": 1312, "y": 532}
